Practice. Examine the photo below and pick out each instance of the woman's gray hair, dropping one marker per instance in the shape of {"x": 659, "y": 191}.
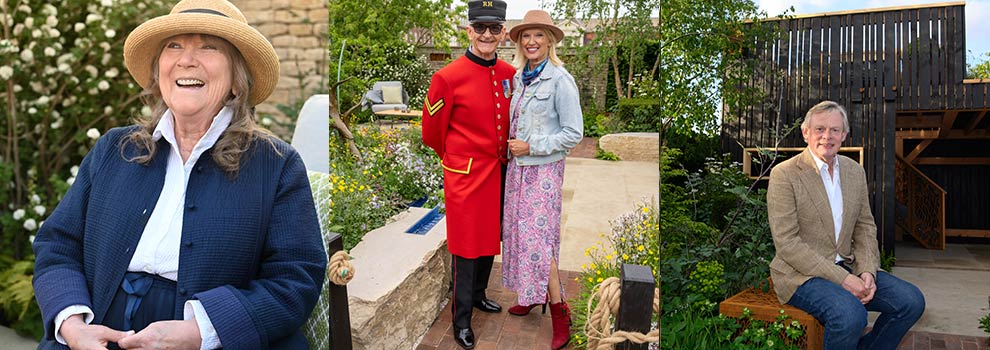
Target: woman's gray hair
{"x": 234, "y": 141}
{"x": 825, "y": 107}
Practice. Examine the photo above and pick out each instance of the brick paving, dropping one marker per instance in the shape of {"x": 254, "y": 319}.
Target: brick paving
{"x": 587, "y": 148}
{"x": 500, "y": 331}
{"x": 938, "y": 341}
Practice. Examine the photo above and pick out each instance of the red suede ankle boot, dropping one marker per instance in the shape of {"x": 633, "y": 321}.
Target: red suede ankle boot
{"x": 561, "y": 316}
{"x": 521, "y": 310}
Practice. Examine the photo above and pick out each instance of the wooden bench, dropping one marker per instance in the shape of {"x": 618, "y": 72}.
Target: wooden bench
{"x": 765, "y": 307}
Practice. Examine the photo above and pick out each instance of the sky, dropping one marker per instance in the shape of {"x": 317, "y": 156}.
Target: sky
{"x": 977, "y": 16}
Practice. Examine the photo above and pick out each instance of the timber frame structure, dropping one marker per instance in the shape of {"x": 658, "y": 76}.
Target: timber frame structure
{"x": 900, "y": 73}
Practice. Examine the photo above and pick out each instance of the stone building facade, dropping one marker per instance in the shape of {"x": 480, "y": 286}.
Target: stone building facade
{"x": 298, "y": 30}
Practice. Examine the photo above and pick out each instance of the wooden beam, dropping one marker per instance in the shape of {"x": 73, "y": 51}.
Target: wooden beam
{"x": 957, "y": 134}
{"x": 952, "y": 161}
{"x": 919, "y": 122}
{"x": 977, "y": 120}
{"x": 976, "y": 81}
{"x": 947, "y": 120}
{"x": 967, "y": 233}
{"x": 917, "y": 150}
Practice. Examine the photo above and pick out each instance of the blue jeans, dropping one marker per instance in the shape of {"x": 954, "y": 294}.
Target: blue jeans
{"x": 900, "y": 304}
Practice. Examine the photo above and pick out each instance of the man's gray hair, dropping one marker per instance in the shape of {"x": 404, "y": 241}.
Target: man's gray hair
{"x": 825, "y": 107}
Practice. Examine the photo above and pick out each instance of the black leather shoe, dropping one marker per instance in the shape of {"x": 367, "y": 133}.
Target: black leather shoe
{"x": 488, "y": 305}
{"x": 464, "y": 337}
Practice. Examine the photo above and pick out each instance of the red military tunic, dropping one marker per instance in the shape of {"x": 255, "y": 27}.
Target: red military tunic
{"x": 466, "y": 122}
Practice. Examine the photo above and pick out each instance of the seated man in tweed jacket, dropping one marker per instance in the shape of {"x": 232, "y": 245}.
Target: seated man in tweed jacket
{"x": 827, "y": 262}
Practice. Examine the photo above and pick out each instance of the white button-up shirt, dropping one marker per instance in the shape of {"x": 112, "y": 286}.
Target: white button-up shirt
{"x": 833, "y": 188}
{"x": 157, "y": 251}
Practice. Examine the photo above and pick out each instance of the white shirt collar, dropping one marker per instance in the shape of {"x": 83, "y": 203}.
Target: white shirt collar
{"x": 166, "y": 129}
{"x": 819, "y": 163}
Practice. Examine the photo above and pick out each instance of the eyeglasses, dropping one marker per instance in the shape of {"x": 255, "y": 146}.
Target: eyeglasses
{"x": 494, "y": 28}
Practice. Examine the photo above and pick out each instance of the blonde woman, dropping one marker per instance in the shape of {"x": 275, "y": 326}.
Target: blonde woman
{"x": 546, "y": 122}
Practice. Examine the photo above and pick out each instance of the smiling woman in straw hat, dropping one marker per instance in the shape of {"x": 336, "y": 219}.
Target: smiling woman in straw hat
{"x": 194, "y": 229}
{"x": 545, "y": 123}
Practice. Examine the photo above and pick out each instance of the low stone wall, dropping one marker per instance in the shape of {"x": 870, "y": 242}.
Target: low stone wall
{"x": 634, "y": 146}
{"x": 400, "y": 283}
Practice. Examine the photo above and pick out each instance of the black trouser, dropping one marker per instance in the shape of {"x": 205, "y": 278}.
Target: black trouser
{"x": 470, "y": 280}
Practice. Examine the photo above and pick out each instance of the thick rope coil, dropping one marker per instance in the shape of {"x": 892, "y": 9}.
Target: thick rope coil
{"x": 340, "y": 270}
{"x": 599, "y": 324}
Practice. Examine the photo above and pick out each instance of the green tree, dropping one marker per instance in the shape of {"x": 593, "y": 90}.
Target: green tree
{"x": 624, "y": 43}
{"x": 980, "y": 70}
{"x": 371, "y": 42}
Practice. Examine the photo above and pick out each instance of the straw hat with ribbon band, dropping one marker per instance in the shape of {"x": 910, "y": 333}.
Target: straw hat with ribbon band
{"x": 535, "y": 19}
{"x": 219, "y": 18}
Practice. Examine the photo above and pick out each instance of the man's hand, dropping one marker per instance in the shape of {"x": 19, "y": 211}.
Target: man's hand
{"x": 165, "y": 335}
{"x": 81, "y": 336}
{"x": 857, "y": 287}
{"x": 518, "y": 147}
{"x": 871, "y": 286}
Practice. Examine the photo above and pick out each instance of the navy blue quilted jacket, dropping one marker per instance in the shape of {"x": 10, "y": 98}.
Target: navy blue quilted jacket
{"x": 251, "y": 249}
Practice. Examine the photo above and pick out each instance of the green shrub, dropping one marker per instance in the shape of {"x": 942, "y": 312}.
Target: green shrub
{"x": 639, "y": 114}
{"x": 985, "y": 323}
{"x": 606, "y": 155}
{"x": 396, "y": 170}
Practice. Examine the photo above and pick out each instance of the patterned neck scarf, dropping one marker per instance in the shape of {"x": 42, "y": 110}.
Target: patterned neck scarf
{"x": 529, "y": 75}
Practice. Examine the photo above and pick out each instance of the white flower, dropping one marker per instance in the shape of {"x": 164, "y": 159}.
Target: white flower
{"x": 70, "y": 181}
{"x": 266, "y": 121}
{"x": 92, "y": 17}
{"x": 51, "y": 21}
{"x": 103, "y": 85}
{"x": 18, "y": 214}
{"x": 40, "y": 210}
{"x": 35, "y": 33}
{"x": 6, "y": 72}
{"x": 91, "y": 70}
{"x": 112, "y": 73}
{"x": 31, "y": 238}
{"x": 110, "y": 33}
{"x": 146, "y": 111}
{"x": 107, "y": 110}
{"x": 54, "y": 33}
{"x": 74, "y": 170}
{"x": 79, "y": 26}
{"x": 30, "y": 224}
{"x": 106, "y": 3}
{"x": 29, "y": 22}
{"x": 50, "y": 51}
{"x": 32, "y": 110}
{"x": 43, "y": 100}
{"x": 56, "y": 124}
{"x": 64, "y": 68}
{"x": 35, "y": 199}
{"x": 24, "y": 8}
{"x": 27, "y": 56}
{"x": 93, "y": 133}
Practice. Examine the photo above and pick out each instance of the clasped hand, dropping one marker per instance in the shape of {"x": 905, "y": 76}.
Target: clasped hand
{"x": 518, "y": 147}
{"x": 863, "y": 287}
{"x": 158, "y": 335}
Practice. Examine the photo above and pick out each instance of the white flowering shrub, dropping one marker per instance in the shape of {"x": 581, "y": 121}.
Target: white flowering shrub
{"x": 62, "y": 84}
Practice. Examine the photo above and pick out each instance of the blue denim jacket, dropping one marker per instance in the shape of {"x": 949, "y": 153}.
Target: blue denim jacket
{"x": 550, "y": 118}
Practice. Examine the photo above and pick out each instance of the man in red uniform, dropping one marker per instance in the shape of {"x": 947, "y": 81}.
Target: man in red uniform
{"x": 466, "y": 121}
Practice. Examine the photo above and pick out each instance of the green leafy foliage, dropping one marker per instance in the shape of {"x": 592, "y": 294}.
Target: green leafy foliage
{"x": 639, "y": 114}
{"x": 634, "y": 239}
{"x": 606, "y": 155}
{"x": 979, "y": 70}
{"x": 377, "y": 42}
{"x": 985, "y": 323}
{"x": 397, "y": 169}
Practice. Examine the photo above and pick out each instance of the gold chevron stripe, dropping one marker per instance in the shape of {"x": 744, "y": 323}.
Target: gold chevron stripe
{"x": 433, "y": 108}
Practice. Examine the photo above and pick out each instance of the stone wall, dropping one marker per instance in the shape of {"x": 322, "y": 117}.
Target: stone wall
{"x": 298, "y": 30}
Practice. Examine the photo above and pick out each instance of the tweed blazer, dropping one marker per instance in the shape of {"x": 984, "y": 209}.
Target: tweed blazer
{"x": 803, "y": 230}
{"x": 251, "y": 248}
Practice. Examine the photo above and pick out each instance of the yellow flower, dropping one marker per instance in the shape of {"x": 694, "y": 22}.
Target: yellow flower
{"x": 640, "y": 247}
{"x": 600, "y": 279}
{"x": 608, "y": 257}
{"x": 352, "y": 189}
{"x": 625, "y": 256}
{"x": 584, "y": 266}
{"x": 593, "y": 266}
{"x": 361, "y": 188}
{"x": 590, "y": 280}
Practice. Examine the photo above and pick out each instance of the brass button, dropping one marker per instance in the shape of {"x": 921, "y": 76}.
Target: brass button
{"x": 498, "y": 105}
{"x": 494, "y": 83}
{"x": 499, "y": 127}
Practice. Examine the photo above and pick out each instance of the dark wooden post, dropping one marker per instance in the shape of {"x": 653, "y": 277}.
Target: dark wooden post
{"x": 340, "y": 316}
{"x": 635, "y": 303}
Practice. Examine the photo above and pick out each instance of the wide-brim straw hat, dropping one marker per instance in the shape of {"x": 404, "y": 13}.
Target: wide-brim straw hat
{"x": 535, "y": 19}
{"x": 219, "y": 18}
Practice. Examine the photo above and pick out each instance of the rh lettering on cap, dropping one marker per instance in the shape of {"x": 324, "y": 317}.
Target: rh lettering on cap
{"x": 487, "y": 4}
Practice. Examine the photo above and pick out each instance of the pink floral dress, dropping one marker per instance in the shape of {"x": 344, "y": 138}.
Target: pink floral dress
{"x": 530, "y": 225}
